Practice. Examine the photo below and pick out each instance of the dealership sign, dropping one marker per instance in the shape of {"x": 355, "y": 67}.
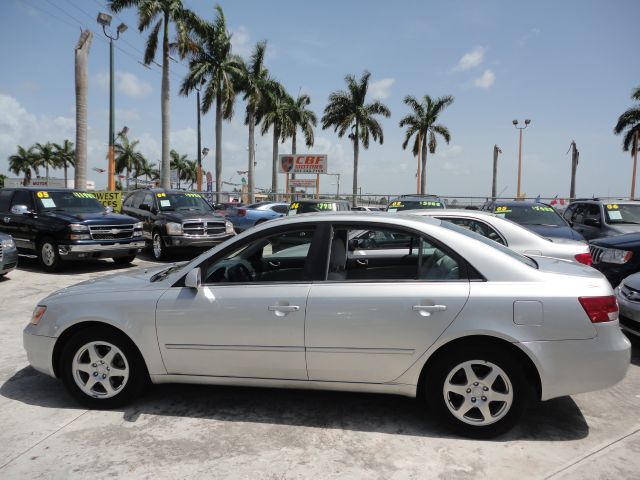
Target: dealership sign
{"x": 303, "y": 182}
{"x": 309, "y": 163}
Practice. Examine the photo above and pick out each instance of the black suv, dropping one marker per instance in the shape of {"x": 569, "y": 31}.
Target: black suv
{"x": 62, "y": 224}
{"x": 595, "y": 218}
{"x": 415, "y": 202}
{"x": 176, "y": 219}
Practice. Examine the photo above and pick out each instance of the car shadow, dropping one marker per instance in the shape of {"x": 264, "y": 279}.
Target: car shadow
{"x": 559, "y": 419}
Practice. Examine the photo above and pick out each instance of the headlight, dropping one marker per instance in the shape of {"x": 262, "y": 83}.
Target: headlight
{"x": 228, "y": 227}
{"x": 8, "y": 243}
{"x": 79, "y": 236}
{"x": 38, "y": 314}
{"x": 137, "y": 226}
{"x": 614, "y": 255}
{"x": 174, "y": 228}
{"x": 77, "y": 227}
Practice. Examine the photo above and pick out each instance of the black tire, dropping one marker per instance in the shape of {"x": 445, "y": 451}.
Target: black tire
{"x": 48, "y": 255}
{"x": 128, "y": 359}
{"x": 124, "y": 260}
{"x": 158, "y": 248}
{"x": 503, "y": 414}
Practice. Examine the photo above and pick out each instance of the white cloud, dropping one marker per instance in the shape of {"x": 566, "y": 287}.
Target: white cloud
{"x": 485, "y": 80}
{"x": 531, "y": 34}
{"x": 451, "y": 152}
{"x": 241, "y": 41}
{"x": 381, "y": 89}
{"x": 471, "y": 59}
{"x": 126, "y": 83}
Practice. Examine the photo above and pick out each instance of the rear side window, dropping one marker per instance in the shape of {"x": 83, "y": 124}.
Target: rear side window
{"x": 476, "y": 226}
{"x": 280, "y": 209}
{"x": 5, "y": 198}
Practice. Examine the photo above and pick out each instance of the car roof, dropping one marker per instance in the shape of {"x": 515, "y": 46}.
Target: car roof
{"x": 415, "y": 196}
{"x": 449, "y": 212}
{"x": 606, "y": 200}
{"x": 41, "y": 188}
{"x": 518, "y": 203}
{"x": 320, "y": 200}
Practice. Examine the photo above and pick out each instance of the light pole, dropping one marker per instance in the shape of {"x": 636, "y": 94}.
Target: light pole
{"x": 494, "y": 183}
{"x": 515, "y": 124}
{"x": 104, "y": 19}
{"x": 337, "y": 183}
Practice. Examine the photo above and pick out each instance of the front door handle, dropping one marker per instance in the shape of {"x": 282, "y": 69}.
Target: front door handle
{"x": 425, "y": 310}
{"x": 284, "y": 308}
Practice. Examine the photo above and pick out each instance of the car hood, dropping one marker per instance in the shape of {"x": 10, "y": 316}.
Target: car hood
{"x": 134, "y": 279}
{"x": 553, "y": 232}
{"x": 623, "y": 228}
{"x": 181, "y": 216}
{"x": 94, "y": 218}
{"x": 629, "y": 240}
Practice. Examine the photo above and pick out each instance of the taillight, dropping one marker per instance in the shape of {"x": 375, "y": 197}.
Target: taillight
{"x": 600, "y": 309}
{"x": 242, "y": 212}
{"x": 584, "y": 258}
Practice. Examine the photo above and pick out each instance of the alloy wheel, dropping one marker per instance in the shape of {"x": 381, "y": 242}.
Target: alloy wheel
{"x": 100, "y": 369}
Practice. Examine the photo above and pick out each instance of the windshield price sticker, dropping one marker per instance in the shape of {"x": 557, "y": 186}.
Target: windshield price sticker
{"x": 503, "y": 209}
{"x": 542, "y": 209}
{"x": 83, "y": 195}
{"x": 165, "y": 203}
{"x": 613, "y": 206}
{"x": 397, "y": 205}
{"x": 324, "y": 206}
{"x": 430, "y": 204}
{"x": 190, "y": 195}
{"x": 43, "y": 194}
{"x": 161, "y": 195}
{"x": 295, "y": 206}
{"x": 615, "y": 215}
{"x": 48, "y": 203}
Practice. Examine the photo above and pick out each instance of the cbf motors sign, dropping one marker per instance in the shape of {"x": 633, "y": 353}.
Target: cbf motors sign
{"x": 309, "y": 163}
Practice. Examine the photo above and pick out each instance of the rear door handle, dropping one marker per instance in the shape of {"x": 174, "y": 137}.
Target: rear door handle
{"x": 426, "y": 310}
{"x": 284, "y": 308}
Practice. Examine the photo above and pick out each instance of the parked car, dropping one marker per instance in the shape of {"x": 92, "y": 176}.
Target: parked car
{"x": 251, "y": 215}
{"x": 415, "y": 202}
{"x": 8, "y": 254}
{"x": 616, "y": 257}
{"x": 223, "y": 209}
{"x": 595, "y": 218}
{"x": 474, "y": 328}
{"x": 537, "y": 217}
{"x": 58, "y": 225}
{"x": 318, "y": 205}
{"x": 512, "y": 235}
{"x": 174, "y": 220}
{"x": 628, "y": 294}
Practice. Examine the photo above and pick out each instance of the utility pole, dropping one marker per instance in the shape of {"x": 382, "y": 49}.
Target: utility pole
{"x": 575, "y": 156}
{"x": 199, "y": 174}
{"x": 494, "y": 184}
{"x": 515, "y": 124}
{"x": 418, "y": 171}
{"x": 634, "y": 151}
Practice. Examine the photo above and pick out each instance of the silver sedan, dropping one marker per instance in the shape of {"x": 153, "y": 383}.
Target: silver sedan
{"x": 628, "y": 293}
{"x": 511, "y": 234}
{"x": 471, "y": 327}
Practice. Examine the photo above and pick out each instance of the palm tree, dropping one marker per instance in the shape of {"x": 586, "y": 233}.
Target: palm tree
{"x": 305, "y": 119}
{"x": 276, "y": 112}
{"x": 629, "y": 121}
{"x": 161, "y": 13}
{"x": 45, "y": 157}
{"x": 212, "y": 65}
{"x": 146, "y": 168}
{"x": 65, "y": 155}
{"x": 127, "y": 157}
{"x": 422, "y": 123}
{"x": 255, "y": 83}
{"x": 347, "y": 110}
{"x": 23, "y": 162}
{"x": 179, "y": 163}
{"x": 82, "y": 92}
{"x": 190, "y": 171}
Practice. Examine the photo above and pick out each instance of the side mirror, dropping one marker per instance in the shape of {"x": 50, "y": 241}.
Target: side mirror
{"x": 20, "y": 210}
{"x": 108, "y": 209}
{"x": 192, "y": 280}
{"x": 592, "y": 222}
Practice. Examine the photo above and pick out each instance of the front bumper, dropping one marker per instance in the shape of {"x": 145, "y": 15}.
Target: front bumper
{"x": 9, "y": 260}
{"x": 568, "y": 367}
{"x": 100, "y": 250}
{"x": 178, "y": 241}
{"x": 39, "y": 350}
{"x": 629, "y": 314}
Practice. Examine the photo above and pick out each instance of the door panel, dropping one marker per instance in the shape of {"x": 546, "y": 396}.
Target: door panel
{"x": 234, "y": 330}
{"x": 373, "y": 332}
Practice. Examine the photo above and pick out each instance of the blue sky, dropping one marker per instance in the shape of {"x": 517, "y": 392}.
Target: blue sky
{"x": 570, "y": 66}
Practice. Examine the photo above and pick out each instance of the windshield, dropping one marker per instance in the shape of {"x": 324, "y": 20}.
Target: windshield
{"x": 468, "y": 233}
{"x": 191, "y": 202}
{"x": 399, "y": 205}
{"x": 622, "y": 213}
{"x": 68, "y": 201}
{"x": 308, "y": 207}
{"x": 530, "y": 215}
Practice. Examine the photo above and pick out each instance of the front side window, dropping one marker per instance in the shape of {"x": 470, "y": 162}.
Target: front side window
{"x": 283, "y": 257}
{"x": 476, "y": 226}
{"x": 68, "y": 201}
{"x": 283, "y": 209}
{"x": 5, "y": 198}
{"x": 22, "y": 197}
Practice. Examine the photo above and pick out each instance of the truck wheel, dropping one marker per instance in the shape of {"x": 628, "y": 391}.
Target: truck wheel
{"x": 48, "y": 255}
{"x": 158, "y": 248}
{"x": 124, "y": 260}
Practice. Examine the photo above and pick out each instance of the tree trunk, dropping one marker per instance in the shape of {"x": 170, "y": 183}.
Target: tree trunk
{"x": 127, "y": 179}
{"x": 252, "y": 156}
{"x": 423, "y": 178}
{"x": 634, "y": 146}
{"x": 292, "y": 189}
{"x": 218, "y": 146}
{"x": 64, "y": 165}
{"x": 355, "y": 167}
{"x": 82, "y": 87}
{"x": 494, "y": 183}
{"x": 574, "y": 166}
{"x": 274, "y": 170}
{"x": 165, "y": 171}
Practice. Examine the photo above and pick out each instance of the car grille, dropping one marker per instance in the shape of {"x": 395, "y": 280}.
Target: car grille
{"x": 111, "y": 232}
{"x": 203, "y": 228}
{"x": 630, "y": 294}
{"x": 1, "y": 254}
{"x": 596, "y": 253}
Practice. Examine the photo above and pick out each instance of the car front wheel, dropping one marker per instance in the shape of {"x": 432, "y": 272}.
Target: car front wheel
{"x": 48, "y": 255}
{"x": 478, "y": 393}
{"x": 102, "y": 369}
{"x": 158, "y": 247}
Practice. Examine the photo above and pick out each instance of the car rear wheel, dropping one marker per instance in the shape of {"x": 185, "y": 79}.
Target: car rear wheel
{"x": 48, "y": 255}
{"x": 478, "y": 393}
{"x": 124, "y": 260}
{"x": 102, "y": 369}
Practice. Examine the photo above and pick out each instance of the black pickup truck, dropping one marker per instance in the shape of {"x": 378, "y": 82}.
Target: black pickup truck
{"x": 57, "y": 225}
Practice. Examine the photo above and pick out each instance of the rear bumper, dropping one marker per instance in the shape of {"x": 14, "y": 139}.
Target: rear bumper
{"x": 568, "y": 367}
{"x": 9, "y": 260}
{"x": 39, "y": 351}
{"x": 179, "y": 241}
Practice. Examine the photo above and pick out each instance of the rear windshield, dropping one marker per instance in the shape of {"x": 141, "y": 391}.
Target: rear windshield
{"x": 399, "y": 205}
{"x": 622, "y": 213}
{"x": 530, "y": 215}
{"x": 68, "y": 201}
{"x": 468, "y": 233}
{"x": 320, "y": 206}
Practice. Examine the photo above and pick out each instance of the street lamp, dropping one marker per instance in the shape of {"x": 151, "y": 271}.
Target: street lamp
{"x": 104, "y": 19}
{"x": 515, "y": 124}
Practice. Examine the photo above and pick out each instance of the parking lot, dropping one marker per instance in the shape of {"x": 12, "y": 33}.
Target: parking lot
{"x": 178, "y": 431}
